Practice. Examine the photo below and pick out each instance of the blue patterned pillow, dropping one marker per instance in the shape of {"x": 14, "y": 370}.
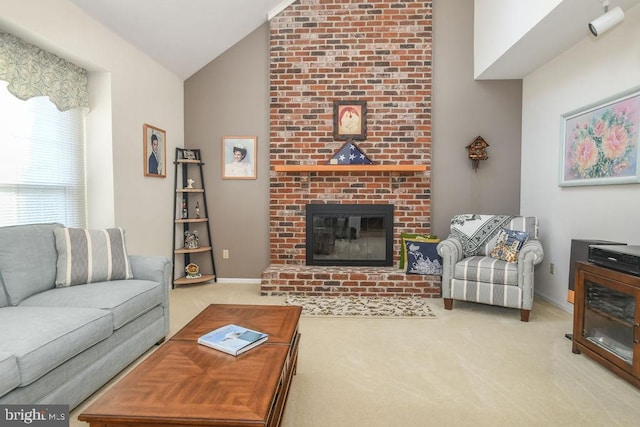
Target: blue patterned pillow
{"x": 508, "y": 245}
{"x": 423, "y": 258}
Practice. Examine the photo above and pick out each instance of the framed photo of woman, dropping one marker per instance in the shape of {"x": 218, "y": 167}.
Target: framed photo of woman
{"x": 154, "y": 143}
{"x": 239, "y": 157}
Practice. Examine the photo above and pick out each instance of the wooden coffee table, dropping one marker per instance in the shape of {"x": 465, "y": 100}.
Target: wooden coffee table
{"x": 186, "y": 384}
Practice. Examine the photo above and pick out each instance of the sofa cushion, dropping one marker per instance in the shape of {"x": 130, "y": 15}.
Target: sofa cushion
{"x": 9, "y": 374}
{"x": 88, "y": 256}
{"x": 45, "y": 337}
{"x": 487, "y": 269}
{"x": 126, "y": 299}
{"x": 27, "y": 259}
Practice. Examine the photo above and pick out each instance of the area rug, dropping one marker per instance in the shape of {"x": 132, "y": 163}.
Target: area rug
{"x": 352, "y": 306}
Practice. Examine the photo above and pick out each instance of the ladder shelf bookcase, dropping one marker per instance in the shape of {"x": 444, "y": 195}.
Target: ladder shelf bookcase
{"x": 191, "y": 220}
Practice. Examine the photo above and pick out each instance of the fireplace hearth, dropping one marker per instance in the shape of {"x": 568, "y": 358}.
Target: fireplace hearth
{"x": 349, "y": 234}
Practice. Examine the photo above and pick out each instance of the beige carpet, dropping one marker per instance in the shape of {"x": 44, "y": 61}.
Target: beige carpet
{"x": 348, "y": 306}
{"x": 473, "y": 366}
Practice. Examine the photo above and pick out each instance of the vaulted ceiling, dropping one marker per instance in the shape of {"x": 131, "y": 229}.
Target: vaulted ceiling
{"x": 182, "y": 35}
{"x": 185, "y": 35}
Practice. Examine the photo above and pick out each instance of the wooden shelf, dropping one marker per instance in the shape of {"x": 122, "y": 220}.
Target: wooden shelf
{"x": 192, "y": 161}
{"x": 190, "y": 190}
{"x": 191, "y": 220}
{"x": 184, "y": 281}
{"x": 350, "y": 168}
{"x": 193, "y": 251}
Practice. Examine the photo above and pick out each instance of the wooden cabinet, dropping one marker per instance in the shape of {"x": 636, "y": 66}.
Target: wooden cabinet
{"x": 606, "y": 319}
{"x": 193, "y": 251}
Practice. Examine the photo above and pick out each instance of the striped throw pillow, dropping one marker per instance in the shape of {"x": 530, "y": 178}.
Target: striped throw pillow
{"x": 88, "y": 256}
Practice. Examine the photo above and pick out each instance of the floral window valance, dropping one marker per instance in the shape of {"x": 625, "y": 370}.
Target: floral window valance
{"x": 31, "y": 71}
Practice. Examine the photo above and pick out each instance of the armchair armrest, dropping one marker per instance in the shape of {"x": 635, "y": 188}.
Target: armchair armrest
{"x": 530, "y": 255}
{"x": 450, "y": 249}
{"x": 532, "y": 249}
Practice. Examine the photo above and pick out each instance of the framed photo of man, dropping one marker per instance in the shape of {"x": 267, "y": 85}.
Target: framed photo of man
{"x": 155, "y": 150}
{"x": 349, "y": 120}
{"x": 239, "y": 157}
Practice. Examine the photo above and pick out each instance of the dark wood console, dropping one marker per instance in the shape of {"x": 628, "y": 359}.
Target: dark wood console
{"x": 606, "y": 319}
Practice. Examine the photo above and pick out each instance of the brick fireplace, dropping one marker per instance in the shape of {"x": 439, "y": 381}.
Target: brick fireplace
{"x": 373, "y": 51}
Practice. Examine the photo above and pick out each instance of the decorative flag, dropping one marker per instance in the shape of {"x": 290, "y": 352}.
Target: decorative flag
{"x": 349, "y": 154}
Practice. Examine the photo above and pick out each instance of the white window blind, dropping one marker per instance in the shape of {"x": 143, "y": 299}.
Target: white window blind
{"x": 42, "y": 162}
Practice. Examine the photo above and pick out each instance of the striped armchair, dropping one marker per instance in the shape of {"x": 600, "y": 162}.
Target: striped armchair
{"x": 471, "y": 274}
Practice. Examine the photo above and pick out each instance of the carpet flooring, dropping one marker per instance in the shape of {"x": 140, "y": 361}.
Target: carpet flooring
{"x": 350, "y": 306}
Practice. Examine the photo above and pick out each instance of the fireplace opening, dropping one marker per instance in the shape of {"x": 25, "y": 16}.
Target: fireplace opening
{"x": 349, "y": 235}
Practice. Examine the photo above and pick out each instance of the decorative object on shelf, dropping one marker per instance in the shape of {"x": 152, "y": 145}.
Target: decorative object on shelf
{"x": 185, "y": 214}
{"x": 190, "y": 183}
{"x": 197, "y": 209}
{"x": 349, "y": 120}
{"x": 193, "y": 271}
{"x": 154, "y": 144}
{"x": 189, "y": 155}
{"x": 601, "y": 141}
{"x": 239, "y": 157}
{"x": 477, "y": 151}
{"x": 191, "y": 240}
{"x": 349, "y": 154}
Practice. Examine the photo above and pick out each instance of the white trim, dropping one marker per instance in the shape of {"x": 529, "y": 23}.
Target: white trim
{"x": 279, "y": 8}
{"x": 233, "y": 280}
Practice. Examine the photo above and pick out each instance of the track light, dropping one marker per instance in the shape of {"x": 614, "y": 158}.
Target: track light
{"x": 608, "y": 20}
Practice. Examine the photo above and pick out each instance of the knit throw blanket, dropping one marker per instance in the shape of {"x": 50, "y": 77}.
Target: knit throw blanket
{"x": 475, "y": 230}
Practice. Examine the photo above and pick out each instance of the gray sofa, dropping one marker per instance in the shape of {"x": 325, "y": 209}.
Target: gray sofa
{"x": 59, "y": 344}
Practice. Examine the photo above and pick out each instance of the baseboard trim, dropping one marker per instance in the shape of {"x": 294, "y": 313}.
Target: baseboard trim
{"x": 235, "y": 280}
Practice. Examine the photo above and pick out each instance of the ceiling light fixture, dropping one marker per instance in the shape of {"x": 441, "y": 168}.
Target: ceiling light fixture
{"x": 609, "y": 19}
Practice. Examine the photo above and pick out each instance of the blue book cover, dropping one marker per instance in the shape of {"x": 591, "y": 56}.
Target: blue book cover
{"x": 233, "y": 339}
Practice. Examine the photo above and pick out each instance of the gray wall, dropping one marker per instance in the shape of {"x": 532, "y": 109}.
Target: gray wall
{"x": 230, "y": 96}
{"x": 462, "y": 110}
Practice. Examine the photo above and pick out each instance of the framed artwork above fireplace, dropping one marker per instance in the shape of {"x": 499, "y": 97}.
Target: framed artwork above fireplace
{"x": 349, "y": 120}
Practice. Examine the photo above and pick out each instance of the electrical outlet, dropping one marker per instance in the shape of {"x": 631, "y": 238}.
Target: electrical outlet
{"x": 552, "y": 268}
{"x": 225, "y": 253}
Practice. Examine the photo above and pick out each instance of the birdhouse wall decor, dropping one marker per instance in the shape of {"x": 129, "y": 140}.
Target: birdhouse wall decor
{"x": 477, "y": 151}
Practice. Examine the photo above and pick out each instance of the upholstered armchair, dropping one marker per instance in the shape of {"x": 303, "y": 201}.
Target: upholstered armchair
{"x": 490, "y": 259}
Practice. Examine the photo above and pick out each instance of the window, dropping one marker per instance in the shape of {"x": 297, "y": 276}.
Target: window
{"x": 42, "y": 165}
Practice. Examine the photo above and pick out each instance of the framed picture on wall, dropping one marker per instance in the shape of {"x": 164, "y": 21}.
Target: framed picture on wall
{"x": 155, "y": 148}
{"x": 600, "y": 142}
{"x": 349, "y": 120}
{"x": 239, "y": 157}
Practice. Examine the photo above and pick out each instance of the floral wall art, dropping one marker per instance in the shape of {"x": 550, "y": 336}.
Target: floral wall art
{"x": 601, "y": 142}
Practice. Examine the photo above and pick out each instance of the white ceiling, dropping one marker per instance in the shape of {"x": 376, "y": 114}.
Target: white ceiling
{"x": 185, "y": 35}
{"x": 182, "y": 35}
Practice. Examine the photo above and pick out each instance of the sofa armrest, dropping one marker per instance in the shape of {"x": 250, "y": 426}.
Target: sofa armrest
{"x": 157, "y": 269}
{"x": 450, "y": 249}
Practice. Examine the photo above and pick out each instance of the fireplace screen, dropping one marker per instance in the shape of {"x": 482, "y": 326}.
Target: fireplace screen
{"x": 354, "y": 235}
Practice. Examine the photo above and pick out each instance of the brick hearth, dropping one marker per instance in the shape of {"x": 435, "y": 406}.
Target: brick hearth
{"x": 322, "y": 51}
{"x": 334, "y": 281}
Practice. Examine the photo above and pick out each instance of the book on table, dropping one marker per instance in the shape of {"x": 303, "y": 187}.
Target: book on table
{"x": 233, "y": 339}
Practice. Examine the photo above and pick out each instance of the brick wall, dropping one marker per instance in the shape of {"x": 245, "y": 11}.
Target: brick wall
{"x": 326, "y": 50}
